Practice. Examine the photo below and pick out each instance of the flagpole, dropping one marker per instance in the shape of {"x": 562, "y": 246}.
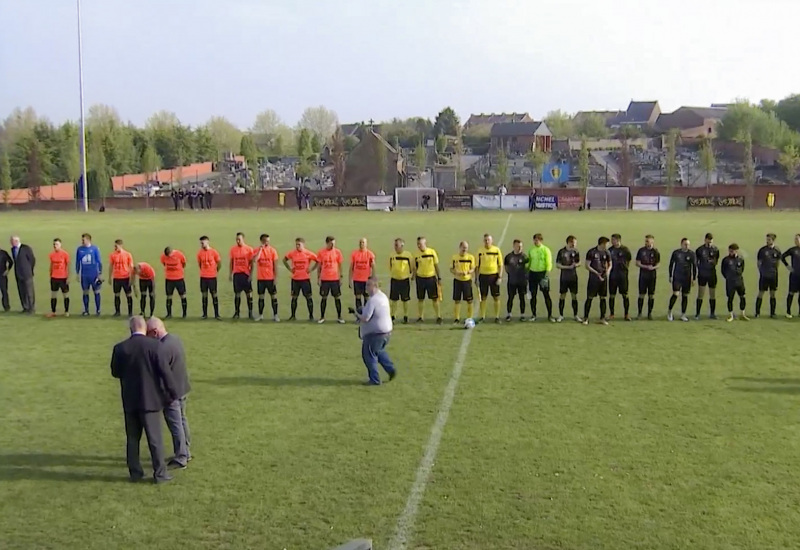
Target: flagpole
{"x": 84, "y": 186}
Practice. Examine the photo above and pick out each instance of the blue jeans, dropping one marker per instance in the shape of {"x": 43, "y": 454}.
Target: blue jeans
{"x": 175, "y": 415}
{"x": 373, "y": 351}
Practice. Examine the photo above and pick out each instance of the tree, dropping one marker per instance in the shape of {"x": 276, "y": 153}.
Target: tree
{"x": 316, "y": 144}
{"x": 671, "y": 167}
{"x": 36, "y": 175}
{"x": 592, "y": 125}
{"x": 338, "y": 154}
{"x": 18, "y": 124}
{"x": 247, "y": 148}
{"x": 502, "y": 168}
{"x": 790, "y": 160}
{"x": 629, "y": 132}
{"x": 319, "y": 120}
{"x": 458, "y": 149}
{"x": 5, "y": 176}
{"x": 205, "y": 150}
{"x": 379, "y": 147}
{"x": 278, "y": 146}
{"x": 538, "y": 159}
{"x": 304, "y": 150}
{"x": 151, "y": 163}
{"x": 788, "y": 110}
{"x": 625, "y": 164}
{"x": 421, "y": 158}
{"x": 98, "y": 167}
{"x": 447, "y": 122}
{"x": 583, "y": 168}
{"x": 560, "y": 123}
{"x": 225, "y": 136}
{"x": 765, "y": 128}
{"x": 266, "y": 123}
{"x": 440, "y": 145}
{"x": 708, "y": 161}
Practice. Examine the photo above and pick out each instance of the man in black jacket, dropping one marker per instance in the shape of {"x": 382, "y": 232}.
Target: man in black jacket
{"x": 24, "y": 263}
{"x": 5, "y": 268}
{"x": 147, "y": 387}
{"x": 174, "y": 413}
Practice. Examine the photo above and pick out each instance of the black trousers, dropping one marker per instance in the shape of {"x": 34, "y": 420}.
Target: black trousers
{"x": 27, "y": 296}
{"x": 4, "y": 292}
{"x": 150, "y": 423}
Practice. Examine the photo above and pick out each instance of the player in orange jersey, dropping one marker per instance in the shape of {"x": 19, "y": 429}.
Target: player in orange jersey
{"x": 147, "y": 285}
{"x": 362, "y": 262}
{"x": 174, "y": 263}
{"x": 264, "y": 260}
{"x": 121, "y": 269}
{"x": 329, "y": 278}
{"x": 210, "y": 263}
{"x": 301, "y": 268}
{"x": 241, "y": 272}
{"x": 59, "y": 277}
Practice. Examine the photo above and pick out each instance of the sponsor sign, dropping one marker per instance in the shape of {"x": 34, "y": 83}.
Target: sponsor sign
{"x": 379, "y": 202}
{"x": 649, "y": 204}
{"x": 570, "y": 202}
{"x": 546, "y": 202}
{"x": 457, "y": 201}
{"x": 715, "y": 202}
{"x": 486, "y": 202}
{"x": 514, "y": 202}
{"x": 339, "y": 201}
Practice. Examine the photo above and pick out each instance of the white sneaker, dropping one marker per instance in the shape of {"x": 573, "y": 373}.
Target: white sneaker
{"x": 684, "y": 318}
{"x": 276, "y": 318}
{"x": 670, "y": 317}
{"x": 258, "y": 318}
{"x": 340, "y": 321}
{"x": 552, "y": 319}
{"x": 604, "y": 321}
{"x": 559, "y": 319}
{"x": 320, "y": 321}
{"x": 578, "y": 319}
{"x": 532, "y": 319}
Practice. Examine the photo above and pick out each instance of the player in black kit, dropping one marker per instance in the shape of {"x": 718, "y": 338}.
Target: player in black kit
{"x": 707, "y": 259}
{"x": 794, "y": 274}
{"x": 648, "y": 259}
{"x": 682, "y": 275}
{"x": 733, "y": 272}
{"x": 517, "y": 284}
{"x": 598, "y": 263}
{"x": 767, "y": 260}
{"x": 568, "y": 260}
{"x": 618, "y": 279}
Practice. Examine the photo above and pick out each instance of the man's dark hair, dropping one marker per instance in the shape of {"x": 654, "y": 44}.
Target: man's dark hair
{"x": 772, "y": 236}
{"x": 649, "y": 236}
{"x": 709, "y": 237}
{"x": 517, "y": 241}
{"x": 538, "y": 236}
{"x": 240, "y": 234}
{"x": 329, "y": 239}
{"x": 167, "y": 251}
{"x": 300, "y": 240}
{"x": 616, "y": 236}
{"x": 420, "y": 238}
{"x": 683, "y": 240}
{"x": 119, "y": 242}
{"x": 602, "y": 240}
{"x": 86, "y": 236}
{"x": 204, "y": 238}
{"x": 263, "y": 236}
{"x": 570, "y": 238}
{"x": 56, "y": 240}
{"x": 733, "y": 246}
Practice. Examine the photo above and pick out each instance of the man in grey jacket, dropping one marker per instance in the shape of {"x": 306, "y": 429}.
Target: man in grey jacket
{"x": 174, "y": 413}
{"x": 376, "y": 329}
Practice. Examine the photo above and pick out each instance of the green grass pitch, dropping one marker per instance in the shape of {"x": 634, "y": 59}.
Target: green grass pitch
{"x": 635, "y": 435}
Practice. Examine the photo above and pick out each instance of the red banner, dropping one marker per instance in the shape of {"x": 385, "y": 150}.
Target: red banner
{"x": 571, "y": 202}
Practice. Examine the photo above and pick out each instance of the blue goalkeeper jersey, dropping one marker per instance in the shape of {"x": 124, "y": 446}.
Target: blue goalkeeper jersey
{"x": 88, "y": 263}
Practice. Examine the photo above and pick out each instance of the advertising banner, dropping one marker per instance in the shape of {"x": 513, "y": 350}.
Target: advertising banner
{"x": 486, "y": 202}
{"x": 457, "y": 201}
{"x": 715, "y": 202}
{"x": 546, "y": 202}
{"x": 649, "y": 204}
{"x": 570, "y": 202}
{"x": 379, "y": 202}
{"x": 339, "y": 201}
{"x": 514, "y": 202}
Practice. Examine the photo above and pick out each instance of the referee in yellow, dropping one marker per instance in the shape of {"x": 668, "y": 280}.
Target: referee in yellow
{"x": 490, "y": 275}
{"x": 462, "y": 266}
{"x": 540, "y": 263}
{"x": 401, "y": 269}
{"x": 427, "y": 277}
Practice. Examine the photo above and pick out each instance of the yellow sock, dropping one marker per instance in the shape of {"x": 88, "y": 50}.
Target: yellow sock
{"x": 421, "y": 309}
{"x": 393, "y": 307}
{"x": 437, "y": 307}
{"x": 497, "y": 307}
{"x": 405, "y": 309}
{"x": 483, "y": 309}
{"x": 470, "y": 310}
{"x": 457, "y": 310}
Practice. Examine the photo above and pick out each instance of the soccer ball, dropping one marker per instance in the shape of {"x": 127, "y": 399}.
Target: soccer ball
{"x": 469, "y": 323}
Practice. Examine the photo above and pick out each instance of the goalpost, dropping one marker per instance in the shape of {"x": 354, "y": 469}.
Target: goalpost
{"x": 411, "y": 198}
{"x": 608, "y": 198}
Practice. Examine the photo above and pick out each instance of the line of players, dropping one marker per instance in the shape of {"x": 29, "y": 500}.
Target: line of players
{"x": 527, "y": 275}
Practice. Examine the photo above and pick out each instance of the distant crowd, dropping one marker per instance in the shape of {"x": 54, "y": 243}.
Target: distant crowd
{"x": 197, "y": 199}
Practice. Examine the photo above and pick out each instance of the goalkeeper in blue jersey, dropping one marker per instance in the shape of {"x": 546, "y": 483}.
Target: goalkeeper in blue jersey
{"x": 89, "y": 267}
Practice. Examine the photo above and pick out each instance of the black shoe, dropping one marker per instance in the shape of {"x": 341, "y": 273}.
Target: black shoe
{"x": 204, "y": 317}
{"x": 235, "y": 316}
{"x": 175, "y": 465}
{"x": 392, "y": 318}
{"x": 135, "y": 479}
{"x": 166, "y": 479}
{"x": 439, "y": 321}
{"x": 392, "y": 375}
{"x": 85, "y": 314}
{"x": 116, "y": 314}
{"x": 292, "y": 318}
{"x": 218, "y": 318}
{"x": 183, "y": 316}
{"x": 497, "y": 320}
{"x": 168, "y": 317}
{"x": 405, "y": 320}
{"x": 456, "y": 321}
{"x": 419, "y": 320}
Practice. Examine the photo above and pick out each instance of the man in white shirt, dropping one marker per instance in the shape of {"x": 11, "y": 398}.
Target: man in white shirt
{"x": 376, "y": 329}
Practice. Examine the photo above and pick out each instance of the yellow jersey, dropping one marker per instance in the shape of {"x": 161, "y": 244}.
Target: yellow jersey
{"x": 400, "y": 265}
{"x": 489, "y": 260}
{"x": 426, "y": 262}
{"x": 462, "y": 266}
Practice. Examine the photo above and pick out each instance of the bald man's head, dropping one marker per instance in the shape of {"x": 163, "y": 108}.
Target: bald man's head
{"x": 156, "y": 328}
{"x": 138, "y": 324}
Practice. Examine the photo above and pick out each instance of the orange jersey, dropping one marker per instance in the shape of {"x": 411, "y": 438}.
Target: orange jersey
{"x": 173, "y": 265}
{"x": 362, "y": 261}
{"x": 59, "y": 264}
{"x": 265, "y": 263}
{"x": 208, "y": 260}
{"x": 241, "y": 256}
{"x": 330, "y": 262}
{"x": 301, "y": 262}
{"x": 121, "y": 264}
{"x": 146, "y": 272}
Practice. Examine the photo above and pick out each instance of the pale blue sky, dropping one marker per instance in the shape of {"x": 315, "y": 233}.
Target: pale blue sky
{"x": 379, "y": 59}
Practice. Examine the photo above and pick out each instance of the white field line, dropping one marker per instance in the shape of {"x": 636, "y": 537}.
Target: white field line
{"x": 405, "y": 523}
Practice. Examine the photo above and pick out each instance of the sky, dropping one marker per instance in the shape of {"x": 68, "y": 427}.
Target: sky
{"x": 379, "y": 59}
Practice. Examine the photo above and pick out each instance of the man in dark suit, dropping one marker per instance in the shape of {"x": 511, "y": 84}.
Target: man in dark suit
{"x": 146, "y": 386}
{"x": 174, "y": 413}
{"x": 6, "y": 263}
{"x": 24, "y": 262}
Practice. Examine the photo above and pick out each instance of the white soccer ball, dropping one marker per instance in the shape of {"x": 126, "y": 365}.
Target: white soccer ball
{"x": 469, "y": 323}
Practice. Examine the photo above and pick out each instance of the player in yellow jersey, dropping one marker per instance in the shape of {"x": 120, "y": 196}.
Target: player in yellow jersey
{"x": 462, "y": 266}
{"x": 401, "y": 267}
{"x": 490, "y": 275}
{"x": 428, "y": 278}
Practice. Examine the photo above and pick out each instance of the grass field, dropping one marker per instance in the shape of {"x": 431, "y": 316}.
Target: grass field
{"x": 636, "y": 435}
